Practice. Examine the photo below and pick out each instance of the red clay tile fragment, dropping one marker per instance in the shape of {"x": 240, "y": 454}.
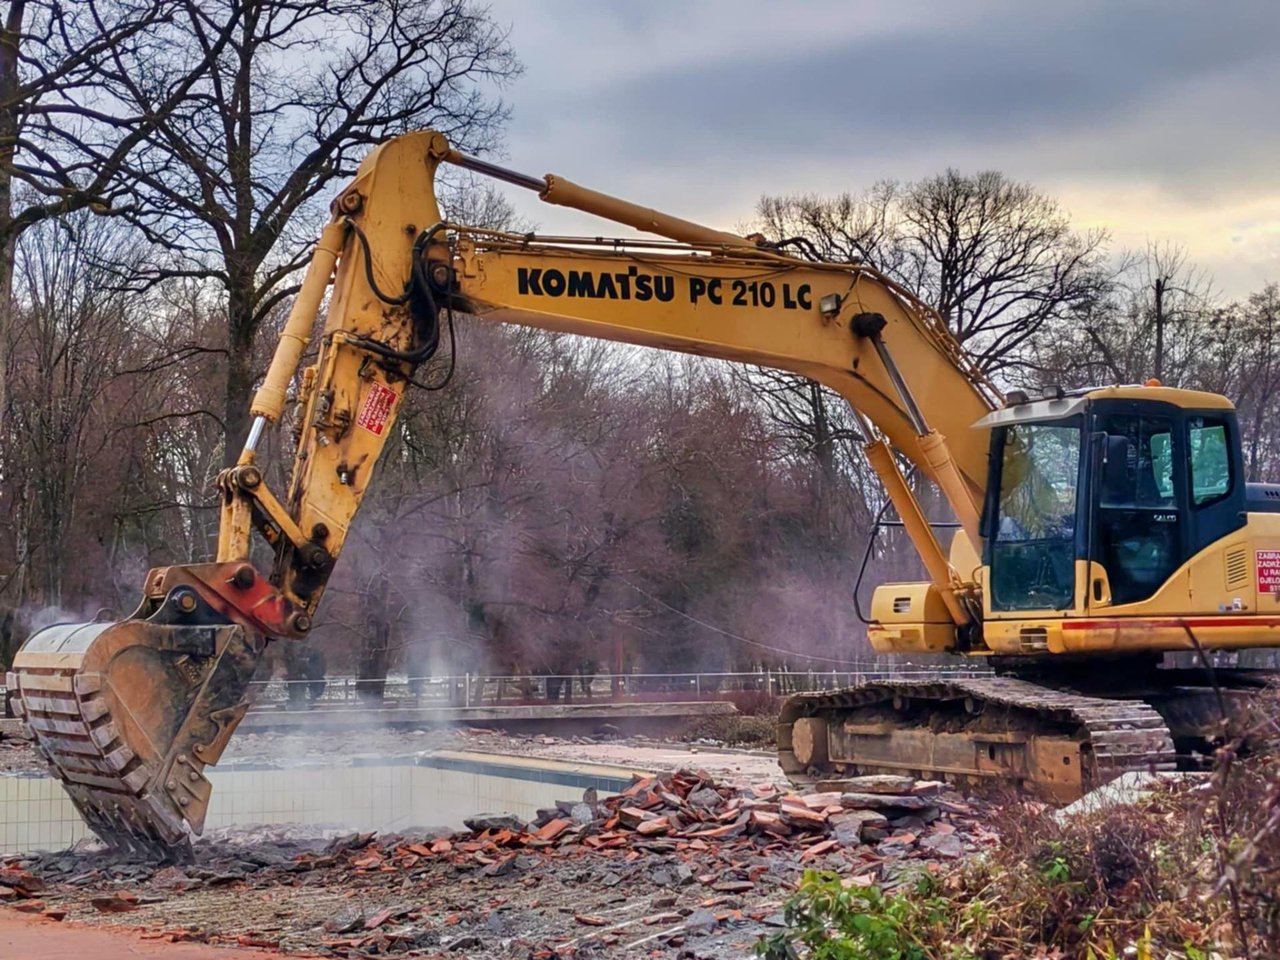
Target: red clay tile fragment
{"x": 115, "y": 903}
{"x": 818, "y": 849}
{"x": 553, "y": 829}
{"x": 652, "y": 828}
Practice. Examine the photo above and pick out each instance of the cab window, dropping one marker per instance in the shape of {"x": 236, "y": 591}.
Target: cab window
{"x": 1138, "y": 469}
{"x": 1033, "y": 547}
{"x": 1210, "y": 462}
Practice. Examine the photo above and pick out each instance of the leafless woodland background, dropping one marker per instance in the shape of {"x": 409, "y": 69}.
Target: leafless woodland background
{"x": 563, "y": 505}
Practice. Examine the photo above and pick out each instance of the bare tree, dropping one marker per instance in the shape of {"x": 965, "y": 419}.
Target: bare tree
{"x": 996, "y": 258}
{"x": 73, "y": 345}
{"x": 813, "y": 429}
{"x": 848, "y": 227}
{"x": 173, "y": 449}
{"x": 295, "y": 94}
{"x": 1170, "y": 298}
{"x": 1158, "y": 316}
{"x": 1239, "y": 347}
{"x": 64, "y": 136}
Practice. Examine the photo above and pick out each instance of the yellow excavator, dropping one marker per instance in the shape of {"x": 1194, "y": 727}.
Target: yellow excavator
{"x": 1097, "y": 529}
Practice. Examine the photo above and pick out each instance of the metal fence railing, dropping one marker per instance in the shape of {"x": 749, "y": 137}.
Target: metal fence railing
{"x": 467, "y": 690}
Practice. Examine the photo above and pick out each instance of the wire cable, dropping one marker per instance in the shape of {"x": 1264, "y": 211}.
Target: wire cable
{"x": 420, "y": 285}
{"x": 453, "y": 358}
{"x": 866, "y": 557}
{"x": 368, "y": 267}
{"x": 421, "y": 279}
{"x": 740, "y": 639}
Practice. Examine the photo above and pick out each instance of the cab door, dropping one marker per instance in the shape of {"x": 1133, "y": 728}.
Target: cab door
{"x": 1138, "y": 533}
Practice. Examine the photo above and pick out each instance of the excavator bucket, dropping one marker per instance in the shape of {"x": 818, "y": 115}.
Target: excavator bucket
{"x": 128, "y": 715}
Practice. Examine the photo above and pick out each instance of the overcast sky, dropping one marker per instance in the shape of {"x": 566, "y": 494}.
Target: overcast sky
{"x": 1155, "y": 120}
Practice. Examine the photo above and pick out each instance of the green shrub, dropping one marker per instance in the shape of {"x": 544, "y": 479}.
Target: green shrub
{"x": 834, "y": 920}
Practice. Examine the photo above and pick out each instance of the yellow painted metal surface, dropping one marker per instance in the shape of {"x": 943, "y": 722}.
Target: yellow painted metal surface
{"x": 1186, "y": 399}
{"x": 1213, "y": 597}
{"x": 711, "y": 293}
{"x": 703, "y": 292}
{"x": 269, "y": 401}
{"x": 910, "y": 618}
{"x": 349, "y": 410}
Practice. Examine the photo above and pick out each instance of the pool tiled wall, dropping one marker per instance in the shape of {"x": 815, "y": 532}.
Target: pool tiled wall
{"x": 366, "y": 793}
{"x": 35, "y": 814}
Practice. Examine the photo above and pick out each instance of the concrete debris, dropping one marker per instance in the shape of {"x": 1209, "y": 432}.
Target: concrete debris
{"x": 1125, "y": 790}
{"x": 945, "y": 845}
{"x": 852, "y": 827}
{"x": 18, "y": 884}
{"x": 494, "y": 821}
{"x": 884, "y": 801}
{"x": 871, "y": 783}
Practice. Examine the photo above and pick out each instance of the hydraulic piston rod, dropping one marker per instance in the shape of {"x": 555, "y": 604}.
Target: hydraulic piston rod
{"x": 945, "y": 472}
{"x": 566, "y": 193}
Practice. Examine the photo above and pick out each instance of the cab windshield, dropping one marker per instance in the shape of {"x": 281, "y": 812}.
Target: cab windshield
{"x": 1033, "y": 546}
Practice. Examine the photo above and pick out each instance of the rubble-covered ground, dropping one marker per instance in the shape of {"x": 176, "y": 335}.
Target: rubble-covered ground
{"x": 681, "y": 866}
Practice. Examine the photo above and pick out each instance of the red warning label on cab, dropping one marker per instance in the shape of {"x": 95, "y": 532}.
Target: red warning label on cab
{"x": 376, "y": 411}
{"x": 1268, "y": 571}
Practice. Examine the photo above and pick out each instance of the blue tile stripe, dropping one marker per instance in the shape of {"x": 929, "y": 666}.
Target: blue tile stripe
{"x": 558, "y": 776}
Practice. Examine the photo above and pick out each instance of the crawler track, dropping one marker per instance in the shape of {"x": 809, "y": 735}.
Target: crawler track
{"x": 935, "y": 729}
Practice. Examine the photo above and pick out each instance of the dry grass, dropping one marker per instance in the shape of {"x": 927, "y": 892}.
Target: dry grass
{"x": 737, "y": 730}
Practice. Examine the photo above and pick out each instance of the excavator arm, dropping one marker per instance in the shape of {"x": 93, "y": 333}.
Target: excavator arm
{"x": 130, "y": 714}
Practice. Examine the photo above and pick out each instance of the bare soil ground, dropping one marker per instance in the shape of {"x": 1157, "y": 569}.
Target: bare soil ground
{"x": 24, "y": 935}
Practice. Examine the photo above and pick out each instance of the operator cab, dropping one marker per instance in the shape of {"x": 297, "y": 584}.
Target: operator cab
{"x": 1135, "y": 479}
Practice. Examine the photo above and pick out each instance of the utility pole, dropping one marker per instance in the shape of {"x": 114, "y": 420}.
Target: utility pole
{"x": 1159, "y": 372}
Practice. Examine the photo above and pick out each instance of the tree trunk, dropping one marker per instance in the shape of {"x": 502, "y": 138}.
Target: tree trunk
{"x": 375, "y": 644}
{"x": 239, "y": 386}
{"x": 22, "y": 546}
{"x": 9, "y": 39}
{"x": 10, "y": 640}
{"x": 7, "y": 247}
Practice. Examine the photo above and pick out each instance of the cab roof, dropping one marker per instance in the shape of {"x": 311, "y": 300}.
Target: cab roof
{"x": 1068, "y": 403}
{"x": 1187, "y": 399}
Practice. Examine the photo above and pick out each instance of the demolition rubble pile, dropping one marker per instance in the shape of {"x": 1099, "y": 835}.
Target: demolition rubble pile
{"x": 689, "y": 810}
{"x": 694, "y": 857}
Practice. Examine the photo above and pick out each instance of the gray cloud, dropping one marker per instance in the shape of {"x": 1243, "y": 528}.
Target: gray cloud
{"x": 703, "y": 107}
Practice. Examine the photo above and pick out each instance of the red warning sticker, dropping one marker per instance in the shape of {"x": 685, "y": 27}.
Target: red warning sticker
{"x": 1268, "y": 571}
{"x": 376, "y": 411}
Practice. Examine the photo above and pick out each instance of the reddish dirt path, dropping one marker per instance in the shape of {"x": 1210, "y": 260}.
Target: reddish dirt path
{"x": 23, "y": 937}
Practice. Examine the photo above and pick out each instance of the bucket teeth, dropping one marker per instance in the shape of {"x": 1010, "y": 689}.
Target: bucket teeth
{"x": 86, "y": 684}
